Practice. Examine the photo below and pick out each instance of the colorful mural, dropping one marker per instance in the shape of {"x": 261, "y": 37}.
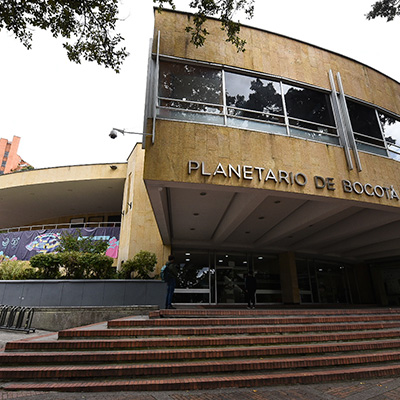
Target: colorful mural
{"x": 24, "y": 245}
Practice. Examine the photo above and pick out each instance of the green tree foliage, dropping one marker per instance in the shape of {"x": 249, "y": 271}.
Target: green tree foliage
{"x": 84, "y": 244}
{"x": 47, "y": 265}
{"x": 388, "y": 9}
{"x": 141, "y": 266}
{"x": 224, "y": 10}
{"x": 15, "y": 269}
{"x": 87, "y": 25}
{"x": 79, "y": 257}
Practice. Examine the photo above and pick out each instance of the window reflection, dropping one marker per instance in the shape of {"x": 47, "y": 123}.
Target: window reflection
{"x": 308, "y": 105}
{"x": 245, "y": 94}
{"x": 391, "y": 132}
{"x": 193, "y": 271}
{"x": 364, "y": 123}
{"x": 194, "y": 93}
{"x": 186, "y": 85}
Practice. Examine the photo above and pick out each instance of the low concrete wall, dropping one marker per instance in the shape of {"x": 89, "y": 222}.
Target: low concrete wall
{"x": 61, "y": 304}
{"x": 61, "y": 293}
{"x": 59, "y": 318}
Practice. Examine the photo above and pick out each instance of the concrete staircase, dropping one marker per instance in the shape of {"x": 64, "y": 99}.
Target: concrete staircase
{"x": 209, "y": 348}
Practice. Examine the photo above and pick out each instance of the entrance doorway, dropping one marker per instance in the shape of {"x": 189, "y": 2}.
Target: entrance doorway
{"x": 323, "y": 281}
{"x": 219, "y": 278}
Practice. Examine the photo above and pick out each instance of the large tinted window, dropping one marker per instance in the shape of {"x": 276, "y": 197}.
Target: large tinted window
{"x": 187, "y": 83}
{"x": 308, "y": 105}
{"x": 364, "y": 123}
{"x": 252, "y": 97}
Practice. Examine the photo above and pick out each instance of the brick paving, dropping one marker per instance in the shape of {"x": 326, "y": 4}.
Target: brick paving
{"x": 374, "y": 389}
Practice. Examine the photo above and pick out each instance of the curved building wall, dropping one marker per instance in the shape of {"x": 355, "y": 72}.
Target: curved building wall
{"x": 278, "y": 55}
{"x": 271, "y": 162}
{"x": 206, "y": 145}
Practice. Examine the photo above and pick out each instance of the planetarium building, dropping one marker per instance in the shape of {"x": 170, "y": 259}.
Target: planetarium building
{"x": 282, "y": 160}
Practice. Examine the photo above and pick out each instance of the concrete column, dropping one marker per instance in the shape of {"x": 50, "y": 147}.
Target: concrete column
{"x": 288, "y": 276}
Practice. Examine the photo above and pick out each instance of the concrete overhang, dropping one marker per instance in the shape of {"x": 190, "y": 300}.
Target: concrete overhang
{"x": 257, "y": 220}
{"x": 29, "y": 197}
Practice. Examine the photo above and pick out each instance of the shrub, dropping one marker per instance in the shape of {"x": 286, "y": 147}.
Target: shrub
{"x": 142, "y": 266}
{"x": 100, "y": 266}
{"x": 79, "y": 257}
{"x": 79, "y": 265}
{"x": 16, "y": 270}
{"x": 73, "y": 265}
{"x": 47, "y": 265}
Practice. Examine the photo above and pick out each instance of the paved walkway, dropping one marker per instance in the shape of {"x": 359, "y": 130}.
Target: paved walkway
{"x": 374, "y": 389}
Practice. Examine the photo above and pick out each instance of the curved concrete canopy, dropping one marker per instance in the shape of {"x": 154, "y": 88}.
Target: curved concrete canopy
{"x": 28, "y": 197}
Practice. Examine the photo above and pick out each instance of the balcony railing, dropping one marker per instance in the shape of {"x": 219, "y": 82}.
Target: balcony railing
{"x": 64, "y": 225}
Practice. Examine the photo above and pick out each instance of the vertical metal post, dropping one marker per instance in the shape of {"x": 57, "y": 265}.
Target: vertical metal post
{"x": 349, "y": 128}
{"x": 284, "y": 109}
{"x": 149, "y": 93}
{"x": 382, "y": 133}
{"x": 156, "y": 79}
{"x": 340, "y": 121}
{"x": 224, "y": 107}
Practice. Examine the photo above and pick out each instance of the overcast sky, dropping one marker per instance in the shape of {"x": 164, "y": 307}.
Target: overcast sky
{"x": 63, "y": 112}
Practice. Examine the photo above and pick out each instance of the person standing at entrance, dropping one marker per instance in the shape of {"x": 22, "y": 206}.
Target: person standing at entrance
{"x": 171, "y": 273}
{"x": 250, "y": 284}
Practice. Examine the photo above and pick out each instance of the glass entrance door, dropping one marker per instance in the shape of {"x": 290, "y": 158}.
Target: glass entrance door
{"x": 194, "y": 278}
{"x": 231, "y": 270}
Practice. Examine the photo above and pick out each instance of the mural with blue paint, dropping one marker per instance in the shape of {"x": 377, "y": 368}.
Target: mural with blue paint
{"x": 24, "y": 245}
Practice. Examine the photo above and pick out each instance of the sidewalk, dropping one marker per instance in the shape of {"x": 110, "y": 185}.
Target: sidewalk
{"x": 374, "y": 389}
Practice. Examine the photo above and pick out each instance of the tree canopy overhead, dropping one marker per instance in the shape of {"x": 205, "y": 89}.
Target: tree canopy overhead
{"x": 88, "y": 26}
{"x": 388, "y": 9}
{"x": 224, "y": 10}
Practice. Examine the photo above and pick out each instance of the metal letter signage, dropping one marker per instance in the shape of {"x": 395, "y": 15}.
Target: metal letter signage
{"x": 278, "y": 177}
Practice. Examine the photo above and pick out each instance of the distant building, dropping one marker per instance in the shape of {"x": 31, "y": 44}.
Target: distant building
{"x": 10, "y": 160}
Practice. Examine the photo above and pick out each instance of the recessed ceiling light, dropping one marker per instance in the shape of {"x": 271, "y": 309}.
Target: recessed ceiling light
{"x": 187, "y": 254}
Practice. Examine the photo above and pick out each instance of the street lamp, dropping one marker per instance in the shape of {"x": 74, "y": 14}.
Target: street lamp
{"x": 114, "y": 133}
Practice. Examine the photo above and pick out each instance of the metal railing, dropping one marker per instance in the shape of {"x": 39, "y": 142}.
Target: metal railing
{"x": 16, "y": 318}
{"x": 65, "y": 225}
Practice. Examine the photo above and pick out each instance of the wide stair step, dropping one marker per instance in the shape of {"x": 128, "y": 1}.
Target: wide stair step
{"x": 209, "y": 348}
